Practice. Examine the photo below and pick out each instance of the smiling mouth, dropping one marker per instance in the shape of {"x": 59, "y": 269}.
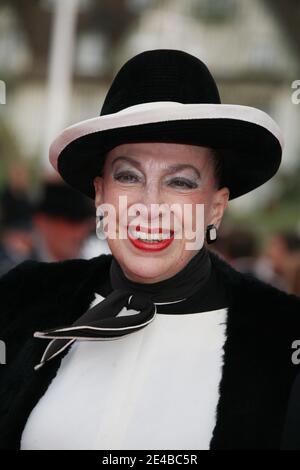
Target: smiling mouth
{"x": 148, "y": 235}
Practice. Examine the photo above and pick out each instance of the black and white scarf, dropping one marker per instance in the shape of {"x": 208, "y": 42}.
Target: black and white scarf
{"x": 102, "y": 322}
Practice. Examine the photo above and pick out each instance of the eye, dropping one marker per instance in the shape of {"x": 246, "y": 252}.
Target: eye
{"x": 126, "y": 177}
{"x": 183, "y": 183}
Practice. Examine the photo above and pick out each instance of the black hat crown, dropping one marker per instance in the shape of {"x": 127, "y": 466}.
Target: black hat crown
{"x": 186, "y": 110}
{"x": 161, "y": 75}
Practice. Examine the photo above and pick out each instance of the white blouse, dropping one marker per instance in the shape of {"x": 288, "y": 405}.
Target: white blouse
{"x": 157, "y": 388}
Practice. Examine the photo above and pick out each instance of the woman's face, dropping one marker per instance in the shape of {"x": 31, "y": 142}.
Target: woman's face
{"x": 148, "y": 174}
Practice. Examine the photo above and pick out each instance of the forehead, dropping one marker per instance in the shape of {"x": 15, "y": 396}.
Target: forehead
{"x": 162, "y": 153}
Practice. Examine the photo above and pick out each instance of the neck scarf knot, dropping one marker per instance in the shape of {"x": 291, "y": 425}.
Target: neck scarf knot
{"x": 104, "y": 322}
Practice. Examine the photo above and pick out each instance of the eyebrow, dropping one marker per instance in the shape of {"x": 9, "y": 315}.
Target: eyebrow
{"x": 128, "y": 160}
{"x": 170, "y": 169}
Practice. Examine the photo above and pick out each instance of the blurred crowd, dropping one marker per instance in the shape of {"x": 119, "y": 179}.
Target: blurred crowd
{"x": 51, "y": 223}
{"x": 276, "y": 261}
{"x": 56, "y": 223}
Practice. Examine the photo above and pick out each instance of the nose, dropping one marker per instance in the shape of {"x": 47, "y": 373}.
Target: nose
{"x": 151, "y": 194}
{"x": 151, "y": 199}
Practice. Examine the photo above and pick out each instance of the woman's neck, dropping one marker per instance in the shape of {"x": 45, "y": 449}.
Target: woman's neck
{"x": 182, "y": 285}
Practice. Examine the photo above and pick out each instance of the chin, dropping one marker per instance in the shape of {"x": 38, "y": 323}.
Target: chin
{"x": 142, "y": 269}
{"x": 143, "y": 266}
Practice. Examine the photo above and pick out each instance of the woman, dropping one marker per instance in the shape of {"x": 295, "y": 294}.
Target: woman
{"x": 161, "y": 345}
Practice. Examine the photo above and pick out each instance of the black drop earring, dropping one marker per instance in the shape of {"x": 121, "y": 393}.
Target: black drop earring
{"x": 211, "y": 233}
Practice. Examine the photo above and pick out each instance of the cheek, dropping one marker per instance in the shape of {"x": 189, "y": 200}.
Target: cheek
{"x": 204, "y": 200}
{"x": 112, "y": 192}
{"x": 120, "y": 198}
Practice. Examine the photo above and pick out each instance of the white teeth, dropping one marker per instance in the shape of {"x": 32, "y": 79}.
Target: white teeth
{"x": 148, "y": 237}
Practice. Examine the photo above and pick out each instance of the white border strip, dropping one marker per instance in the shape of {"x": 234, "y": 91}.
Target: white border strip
{"x": 41, "y": 334}
{"x": 38, "y": 366}
{"x": 162, "y": 111}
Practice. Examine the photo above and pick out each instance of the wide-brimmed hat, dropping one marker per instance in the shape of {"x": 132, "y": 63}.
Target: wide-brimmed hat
{"x": 166, "y": 95}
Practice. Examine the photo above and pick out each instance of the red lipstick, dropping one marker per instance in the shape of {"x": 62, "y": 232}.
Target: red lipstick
{"x": 151, "y": 245}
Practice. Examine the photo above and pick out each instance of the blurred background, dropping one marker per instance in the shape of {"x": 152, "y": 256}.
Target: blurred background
{"x": 57, "y": 60}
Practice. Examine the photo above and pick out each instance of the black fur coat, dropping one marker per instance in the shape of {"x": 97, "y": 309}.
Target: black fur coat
{"x": 258, "y": 372}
